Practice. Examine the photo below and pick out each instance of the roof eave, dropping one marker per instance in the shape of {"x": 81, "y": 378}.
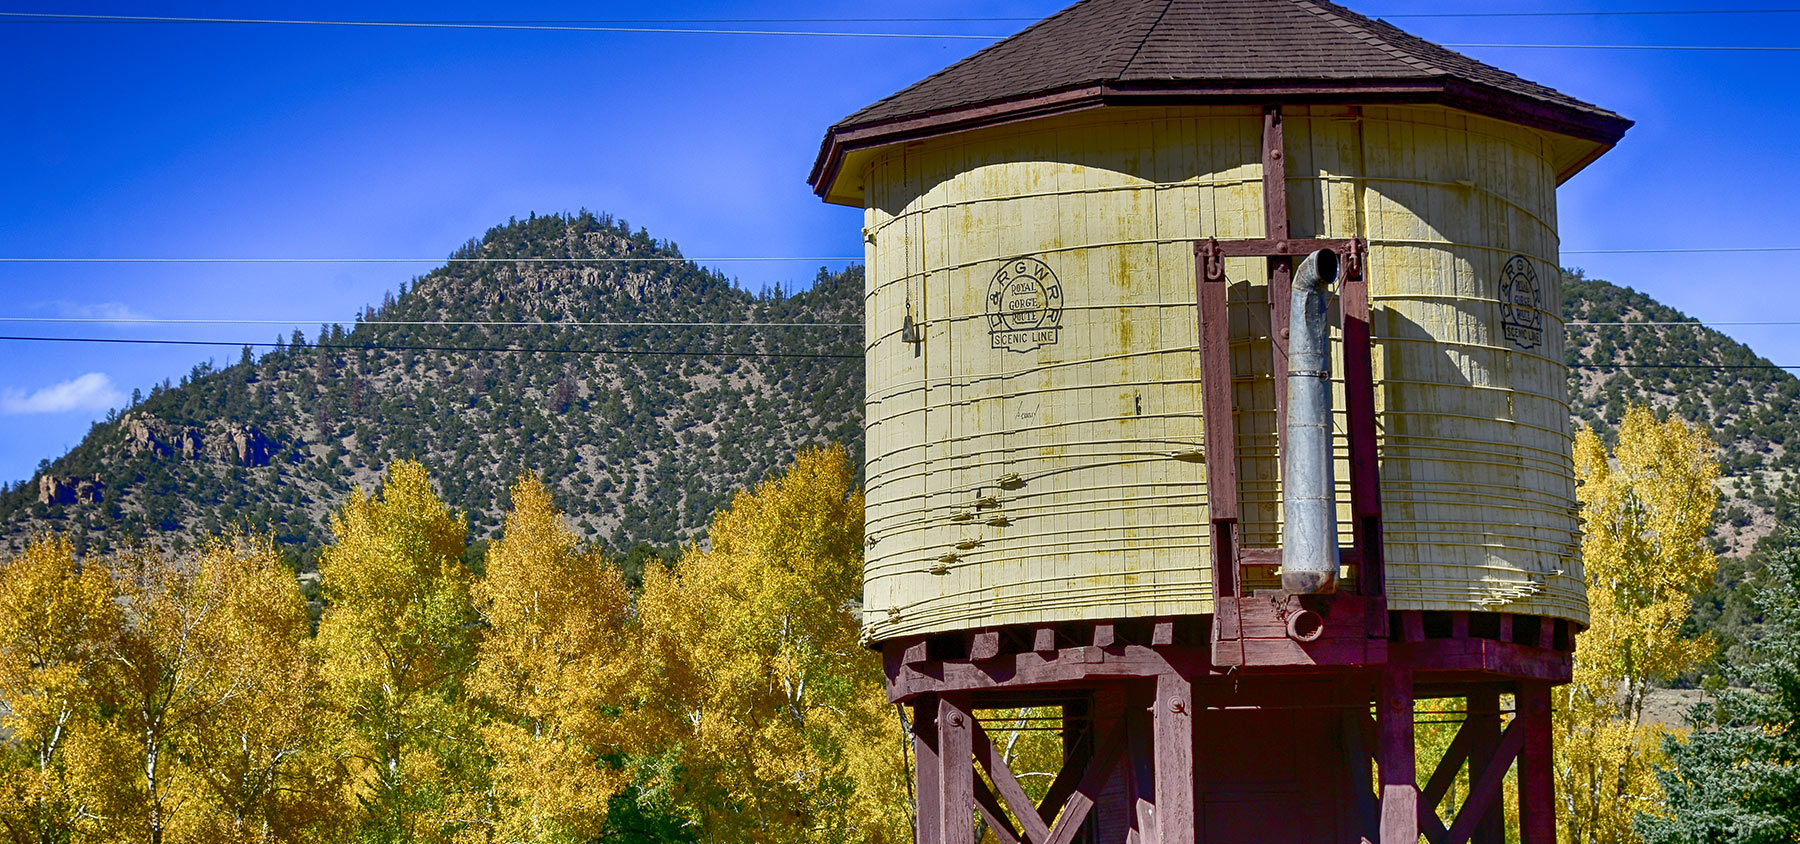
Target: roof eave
{"x": 1601, "y": 128}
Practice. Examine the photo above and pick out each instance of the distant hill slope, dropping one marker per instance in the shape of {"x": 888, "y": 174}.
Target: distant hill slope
{"x": 1748, "y": 406}
{"x": 641, "y": 446}
{"x": 644, "y": 446}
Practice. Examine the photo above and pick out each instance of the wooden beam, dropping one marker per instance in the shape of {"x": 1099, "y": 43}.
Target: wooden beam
{"x": 1107, "y": 755}
{"x": 1485, "y": 792}
{"x": 1356, "y": 729}
{"x": 1537, "y": 804}
{"x": 1447, "y": 768}
{"x": 1484, "y": 746}
{"x": 1174, "y": 750}
{"x": 1394, "y": 755}
{"x": 930, "y": 789}
{"x": 996, "y": 819}
{"x": 956, "y": 769}
{"x": 1007, "y": 784}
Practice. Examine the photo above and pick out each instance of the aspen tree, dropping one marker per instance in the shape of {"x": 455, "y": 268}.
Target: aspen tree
{"x": 1646, "y": 512}
{"x": 552, "y": 666}
{"x": 764, "y": 717}
{"x": 259, "y": 765}
{"x": 395, "y": 642}
{"x": 56, "y": 622}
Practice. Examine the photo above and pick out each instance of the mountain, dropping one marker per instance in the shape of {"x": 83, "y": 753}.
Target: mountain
{"x": 478, "y": 370}
{"x": 643, "y": 431}
{"x": 1693, "y": 372}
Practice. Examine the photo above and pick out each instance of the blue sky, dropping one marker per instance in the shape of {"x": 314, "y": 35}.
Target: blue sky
{"x": 187, "y": 140}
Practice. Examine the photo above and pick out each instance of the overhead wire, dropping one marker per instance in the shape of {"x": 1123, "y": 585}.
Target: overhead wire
{"x": 549, "y": 27}
{"x": 409, "y": 347}
{"x": 391, "y": 347}
{"x": 664, "y": 259}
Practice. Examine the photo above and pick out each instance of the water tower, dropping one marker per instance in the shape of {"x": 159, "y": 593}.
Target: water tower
{"x": 1228, "y": 508}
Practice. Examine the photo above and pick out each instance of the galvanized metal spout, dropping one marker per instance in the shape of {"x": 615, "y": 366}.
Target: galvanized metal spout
{"x": 1309, "y": 552}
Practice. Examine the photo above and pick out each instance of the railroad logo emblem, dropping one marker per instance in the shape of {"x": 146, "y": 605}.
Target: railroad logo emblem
{"x": 1024, "y": 306}
{"x": 1521, "y": 303}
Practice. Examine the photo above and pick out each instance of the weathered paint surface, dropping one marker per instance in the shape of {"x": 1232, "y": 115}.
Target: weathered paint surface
{"x": 1034, "y": 446}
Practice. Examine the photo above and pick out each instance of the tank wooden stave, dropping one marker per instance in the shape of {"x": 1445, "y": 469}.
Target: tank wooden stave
{"x": 1086, "y": 445}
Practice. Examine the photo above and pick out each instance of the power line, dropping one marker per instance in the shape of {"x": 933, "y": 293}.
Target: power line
{"x": 390, "y": 347}
{"x": 1608, "y": 14}
{"x": 67, "y": 18}
{"x": 27, "y": 259}
{"x": 534, "y": 260}
{"x": 47, "y": 16}
{"x": 1727, "y": 48}
{"x": 1682, "y": 322}
{"x": 429, "y": 322}
{"x": 386, "y": 347}
{"x": 528, "y": 27}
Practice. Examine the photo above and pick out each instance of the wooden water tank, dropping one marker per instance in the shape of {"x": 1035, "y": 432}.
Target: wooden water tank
{"x": 1034, "y": 432}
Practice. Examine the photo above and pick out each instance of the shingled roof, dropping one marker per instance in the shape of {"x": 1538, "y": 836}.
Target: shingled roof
{"x": 1162, "y": 52}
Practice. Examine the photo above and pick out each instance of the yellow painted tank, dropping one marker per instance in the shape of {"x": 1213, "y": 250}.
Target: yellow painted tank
{"x": 1034, "y": 433}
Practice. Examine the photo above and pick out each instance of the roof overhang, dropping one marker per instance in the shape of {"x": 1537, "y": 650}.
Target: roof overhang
{"x": 846, "y": 144}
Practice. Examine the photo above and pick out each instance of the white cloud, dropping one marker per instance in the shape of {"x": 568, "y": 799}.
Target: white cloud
{"x": 93, "y": 391}
{"x": 98, "y": 310}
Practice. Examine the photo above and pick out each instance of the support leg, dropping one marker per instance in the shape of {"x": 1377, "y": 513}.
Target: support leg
{"x": 1174, "y": 724}
{"x": 928, "y": 785}
{"x": 1399, "y": 782}
{"x": 1537, "y": 798}
{"x": 956, "y": 770}
{"x": 1484, "y": 721}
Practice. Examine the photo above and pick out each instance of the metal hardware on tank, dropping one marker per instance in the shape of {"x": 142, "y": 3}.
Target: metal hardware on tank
{"x": 1247, "y": 528}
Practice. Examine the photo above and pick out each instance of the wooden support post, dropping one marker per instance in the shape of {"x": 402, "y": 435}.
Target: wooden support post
{"x": 1366, "y": 810}
{"x": 1140, "y": 732}
{"x": 1174, "y": 725}
{"x": 956, "y": 770}
{"x": 1110, "y": 818}
{"x": 1394, "y": 755}
{"x": 929, "y": 788}
{"x": 1484, "y": 741}
{"x": 1537, "y": 797}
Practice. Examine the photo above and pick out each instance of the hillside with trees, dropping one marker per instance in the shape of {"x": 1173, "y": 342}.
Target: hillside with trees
{"x": 509, "y": 359}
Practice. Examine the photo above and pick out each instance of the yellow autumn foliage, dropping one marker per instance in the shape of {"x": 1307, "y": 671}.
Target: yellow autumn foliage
{"x": 395, "y": 643}
{"x": 553, "y": 668}
{"x": 769, "y": 720}
{"x": 56, "y": 622}
{"x": 1646, "y": 508}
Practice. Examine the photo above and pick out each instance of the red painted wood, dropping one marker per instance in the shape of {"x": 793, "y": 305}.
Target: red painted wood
{"x": 1394, "y": 755}
{"x": 1107, "y": 755}
{"x": 1259, "y": 556}
{"x": 1105, "y": 636}
{"x": 1483, "y": 725}
{"x": 995, "y": 818}
{"x": 1216, "y": 417}
{"x": 928, "y": 785}
{"x": 1497, "y": 659}
{"x": 1174, "y": 751}
{"x": 1537, "y": 803}
{"x": 1356, "y": 729}
{"x": 956, "y": 770}
{"x": 984, "y": 644}
{"x": 997, "y": 770}
{"x": 1068, "y": 665}
{"x": 1140, "y": 784}
{"x": 1043, "y": 639}
{"x": 1296, "y": 247}
{"x": 1163, "y": 634}
{"x": 1484, "y": 793}
{"x": 1444, "y": 775}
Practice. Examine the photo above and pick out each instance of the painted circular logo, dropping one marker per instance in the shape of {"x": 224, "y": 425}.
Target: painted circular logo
{"x": 1521, "y": 303}
{"x": 1024, "y": 305}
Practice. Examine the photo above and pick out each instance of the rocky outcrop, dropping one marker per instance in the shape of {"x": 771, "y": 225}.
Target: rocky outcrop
{"x": 240, "y": 444}
{"x": 62, "y": 489}
{"x": 233, "y": 442}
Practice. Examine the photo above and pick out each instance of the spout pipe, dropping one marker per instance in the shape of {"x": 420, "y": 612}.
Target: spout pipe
{"x": 1309, "y": 554}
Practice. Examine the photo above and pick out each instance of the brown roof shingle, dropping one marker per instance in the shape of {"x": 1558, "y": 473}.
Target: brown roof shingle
{"x": 1117, "y": 51}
